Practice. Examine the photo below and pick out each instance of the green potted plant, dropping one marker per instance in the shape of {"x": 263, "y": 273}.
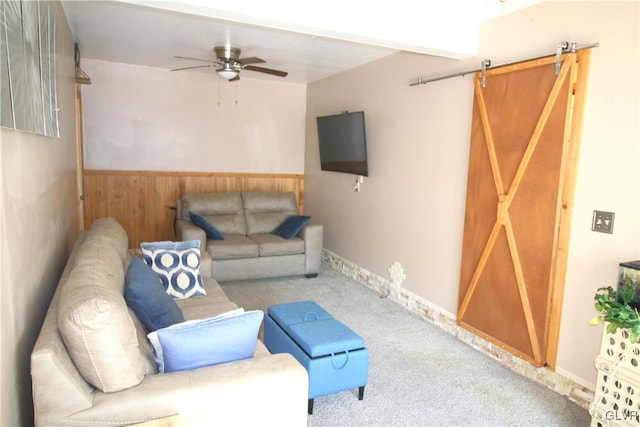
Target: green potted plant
{"x": 619, "y": 310}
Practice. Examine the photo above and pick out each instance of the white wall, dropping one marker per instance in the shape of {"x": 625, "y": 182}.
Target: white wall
{"x": 38, "y": 224}
{"x": 143, "y": 118}
{"x": 411, "y": 208}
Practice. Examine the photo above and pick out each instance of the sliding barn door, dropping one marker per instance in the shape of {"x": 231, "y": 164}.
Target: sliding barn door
{"x": 524, "y": 141}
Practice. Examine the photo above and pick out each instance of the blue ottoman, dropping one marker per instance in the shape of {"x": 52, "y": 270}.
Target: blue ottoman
{"x": 335, "y": 357}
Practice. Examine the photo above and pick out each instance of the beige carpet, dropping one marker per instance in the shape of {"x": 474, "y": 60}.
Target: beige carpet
{"x": 418, "y": 374}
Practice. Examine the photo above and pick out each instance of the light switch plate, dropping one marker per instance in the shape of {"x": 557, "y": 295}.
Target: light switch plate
{"x": 602, "y": 222}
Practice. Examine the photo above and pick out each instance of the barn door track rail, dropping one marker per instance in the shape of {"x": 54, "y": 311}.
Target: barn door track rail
{"x": 561, "y": 48}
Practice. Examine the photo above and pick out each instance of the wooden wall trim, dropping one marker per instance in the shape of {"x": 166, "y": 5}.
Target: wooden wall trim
{"x": 192, "y": 174}
{"x": 144, "y": 201}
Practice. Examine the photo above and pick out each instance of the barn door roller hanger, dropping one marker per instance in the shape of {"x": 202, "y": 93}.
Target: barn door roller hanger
{"x": 561, "y": 48}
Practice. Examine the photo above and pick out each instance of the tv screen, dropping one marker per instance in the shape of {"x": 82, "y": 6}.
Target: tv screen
{"x": 343, "y": 143}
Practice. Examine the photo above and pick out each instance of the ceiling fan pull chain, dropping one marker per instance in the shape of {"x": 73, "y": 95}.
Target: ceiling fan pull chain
{"x": 218, "y": 92}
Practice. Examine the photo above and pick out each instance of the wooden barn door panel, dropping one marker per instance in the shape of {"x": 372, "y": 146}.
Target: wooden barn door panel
{"x": 516, "y": 199}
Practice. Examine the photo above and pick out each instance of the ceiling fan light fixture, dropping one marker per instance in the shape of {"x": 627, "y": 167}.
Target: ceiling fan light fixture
{"x": 227, "y": 74}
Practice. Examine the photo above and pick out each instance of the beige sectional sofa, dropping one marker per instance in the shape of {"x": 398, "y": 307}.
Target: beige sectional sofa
{"x": 92, "y": 363}
{"x": 249, "y": 249}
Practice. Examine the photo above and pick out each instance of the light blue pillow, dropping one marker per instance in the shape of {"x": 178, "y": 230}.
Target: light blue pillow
{"x": 148, "y": 299}
{"x": 177, "y": 264}
{"x": 291, "y": 226}
{"x": 210, "y": 229}
{"x": 211, "y": 341}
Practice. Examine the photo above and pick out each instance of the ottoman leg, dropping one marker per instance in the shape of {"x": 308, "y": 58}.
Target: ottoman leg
{"x": 310, "y": 407}
{"x": 361, "y": 393}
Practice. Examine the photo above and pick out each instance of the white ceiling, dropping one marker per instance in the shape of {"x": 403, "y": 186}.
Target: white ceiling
{"x": 309, "y": 42}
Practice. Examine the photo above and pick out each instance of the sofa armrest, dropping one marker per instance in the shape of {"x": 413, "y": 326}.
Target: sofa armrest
{"x": 264, "y": 390}
{"x": 312, "y": 234}
{"x": 186, "y": 230}
{"x": 206, "y": 264}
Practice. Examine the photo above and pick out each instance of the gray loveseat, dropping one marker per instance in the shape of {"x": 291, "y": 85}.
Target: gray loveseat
{"x": 249, "y": 250}
{"x": 92, "y": 363}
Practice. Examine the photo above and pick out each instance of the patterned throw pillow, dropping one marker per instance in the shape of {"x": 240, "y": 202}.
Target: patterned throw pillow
{"x": 197, "y": 343}
{"x": 178, "y": 265}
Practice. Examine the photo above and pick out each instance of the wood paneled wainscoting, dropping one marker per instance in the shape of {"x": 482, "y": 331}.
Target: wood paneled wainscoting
{"x": 144, "y": 201}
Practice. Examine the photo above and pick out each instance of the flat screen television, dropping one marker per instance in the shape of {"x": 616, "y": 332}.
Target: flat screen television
{"x": 343, "y": 143}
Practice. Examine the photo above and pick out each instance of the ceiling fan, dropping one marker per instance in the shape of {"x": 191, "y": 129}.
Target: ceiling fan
{"x": 228, "y": 64}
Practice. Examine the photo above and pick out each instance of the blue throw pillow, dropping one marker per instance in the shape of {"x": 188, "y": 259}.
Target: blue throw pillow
{"x": 291, "y": 226}
{"x": 148, "y": 299}
{"x": 178, "y": 265}
{"x": 198, "y": 343}
{"x": 210, "y": 229}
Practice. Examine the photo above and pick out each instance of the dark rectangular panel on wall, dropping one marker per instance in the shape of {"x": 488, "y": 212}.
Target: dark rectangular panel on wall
{"x": 144, "y": 202}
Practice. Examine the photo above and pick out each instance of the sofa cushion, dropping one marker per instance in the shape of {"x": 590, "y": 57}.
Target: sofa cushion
{"x": 211, "y": 204}
{"x": 264, "y": 210}
{"x": 228, "y": 224}
{"x": 232, "y": 247}
{"x": 272, "y": 245}
{"x": 97, "y": 249}
{"x": 223, "y": 210}
{"x": 213, "y": 308}
{"x": 109, "y": 230}
{"x": 214, "y": 304}
{"x": 177, "y": 264}
{"x": 98, "y": 332}
{"x": 144, "y": 345}
{"x": 263, "y": 201}
{"x": 193, "y": 344}
{"x": 214, "y": 295}
{"x": 147, "y": 297}
{"x": 291, "y": 226}
{"x": 208, "y": 227}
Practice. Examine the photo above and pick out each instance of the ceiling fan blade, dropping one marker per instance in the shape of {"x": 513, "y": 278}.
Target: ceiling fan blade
{"x": 197, "y": 59}
{"x": 265, "y": 70}
{"x": 190, "y": 68}
{"x": 236, "y": 78}
{"x": 251, "y": 60}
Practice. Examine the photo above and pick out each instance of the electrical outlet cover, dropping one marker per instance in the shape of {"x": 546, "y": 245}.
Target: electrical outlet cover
{"x": 602, "y": 222}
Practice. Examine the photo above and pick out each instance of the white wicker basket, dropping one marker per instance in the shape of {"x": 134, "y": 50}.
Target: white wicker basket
{"x": 617, "y": 395}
